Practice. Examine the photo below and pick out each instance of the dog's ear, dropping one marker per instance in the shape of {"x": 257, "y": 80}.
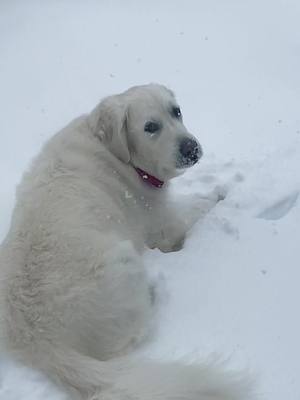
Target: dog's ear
{"x": 109, "y": 122}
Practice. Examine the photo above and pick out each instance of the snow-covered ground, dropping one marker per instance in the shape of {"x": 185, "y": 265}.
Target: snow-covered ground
{"x": 234, "y": 65}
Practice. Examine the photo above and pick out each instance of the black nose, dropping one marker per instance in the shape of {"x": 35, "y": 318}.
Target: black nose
{"x": 190, "y": 151}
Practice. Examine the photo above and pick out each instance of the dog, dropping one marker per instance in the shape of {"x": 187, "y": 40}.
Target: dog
{"x": 75, "y": 297}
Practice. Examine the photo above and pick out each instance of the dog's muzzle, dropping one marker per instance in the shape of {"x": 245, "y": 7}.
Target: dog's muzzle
{"x": 190, "y": 152}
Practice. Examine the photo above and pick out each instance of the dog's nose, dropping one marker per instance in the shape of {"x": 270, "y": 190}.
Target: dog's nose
{"x": 190, "y": 150}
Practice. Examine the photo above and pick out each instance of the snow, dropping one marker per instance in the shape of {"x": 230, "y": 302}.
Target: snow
{"x": 234, "y": 288}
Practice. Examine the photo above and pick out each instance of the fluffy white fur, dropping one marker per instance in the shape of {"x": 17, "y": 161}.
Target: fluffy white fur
{"x": 75, "y": 297}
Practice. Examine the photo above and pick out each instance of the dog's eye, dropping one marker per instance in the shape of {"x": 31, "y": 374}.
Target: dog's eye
{"x": 151, "y": 127}
{"x": 176, "y": 112}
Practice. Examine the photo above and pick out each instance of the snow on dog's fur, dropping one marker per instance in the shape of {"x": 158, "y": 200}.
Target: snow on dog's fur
{"x": 75, "y": 297}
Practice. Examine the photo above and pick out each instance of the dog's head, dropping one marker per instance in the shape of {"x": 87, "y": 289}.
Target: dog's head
{"x": 143, "y": 126}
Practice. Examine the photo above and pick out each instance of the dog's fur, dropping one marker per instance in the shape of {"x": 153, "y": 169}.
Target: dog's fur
{"x": 75, "y": 297}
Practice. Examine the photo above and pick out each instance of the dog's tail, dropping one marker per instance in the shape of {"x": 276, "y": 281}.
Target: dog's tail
{"x": 130, "y": 378}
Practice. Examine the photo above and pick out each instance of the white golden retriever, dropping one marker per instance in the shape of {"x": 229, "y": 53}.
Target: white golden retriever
{"x": 75, "y": 297}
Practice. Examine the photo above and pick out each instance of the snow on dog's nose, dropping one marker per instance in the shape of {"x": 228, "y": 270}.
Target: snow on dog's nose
{"x": 190, "y": 152}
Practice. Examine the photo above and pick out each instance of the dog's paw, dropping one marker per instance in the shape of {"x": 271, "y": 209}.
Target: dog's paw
{"x": 169, "y": 246}
{"x": 169, "y": 239}
{"x": 218, "y": 193}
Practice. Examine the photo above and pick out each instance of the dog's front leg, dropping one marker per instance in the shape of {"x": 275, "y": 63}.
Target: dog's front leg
{"x": 176, "y": 220}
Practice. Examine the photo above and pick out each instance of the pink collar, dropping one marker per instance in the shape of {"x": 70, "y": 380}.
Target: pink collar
{"x": 149, "y": 179}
